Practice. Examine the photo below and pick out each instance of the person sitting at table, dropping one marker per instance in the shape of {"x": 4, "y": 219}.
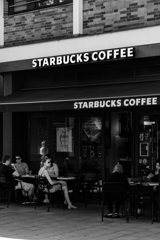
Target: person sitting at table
{"x": 117, "y": 175}
{"x": 20, "y": 166}
{"x": 10, "y": 173}
{"x": 53, "y": 170}
{"x": 44, "y": 173}
{"x": 154, "y": 175}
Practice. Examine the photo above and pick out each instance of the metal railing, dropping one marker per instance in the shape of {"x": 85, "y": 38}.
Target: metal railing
{"x": 18, "y": 6}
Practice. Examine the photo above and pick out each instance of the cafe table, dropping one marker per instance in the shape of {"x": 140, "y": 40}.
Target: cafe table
{"x": 144, "y": 192}
{"x": 65, "y": 178}
{"x": 29, "y": 178}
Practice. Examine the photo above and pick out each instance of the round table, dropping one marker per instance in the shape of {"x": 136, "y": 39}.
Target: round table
{"x": 65, "y": 178}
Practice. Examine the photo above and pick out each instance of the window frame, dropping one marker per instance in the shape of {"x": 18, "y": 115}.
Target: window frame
{"x": 32, "y": 5}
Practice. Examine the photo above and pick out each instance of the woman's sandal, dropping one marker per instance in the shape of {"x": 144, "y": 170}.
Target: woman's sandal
{"x": 72, "y": 207}
{"x": 109, "y": 215}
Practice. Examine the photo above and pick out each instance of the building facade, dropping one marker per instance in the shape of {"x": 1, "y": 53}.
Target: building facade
{"x": 80, "y": 79}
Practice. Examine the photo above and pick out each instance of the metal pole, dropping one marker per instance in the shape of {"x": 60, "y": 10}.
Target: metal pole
{"x": 159, "y": 198}
{"x": 152, "y": 146}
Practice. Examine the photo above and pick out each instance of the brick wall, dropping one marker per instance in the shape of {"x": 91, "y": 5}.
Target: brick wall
{"x": 102, "y": 16}
{"x": 40, "y": 25}
{"x": 99, "y": 16}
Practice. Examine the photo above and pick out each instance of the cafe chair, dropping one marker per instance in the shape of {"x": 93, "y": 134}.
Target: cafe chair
{"x": 89, "y": 186}
{"x": 143, "y": 196}
{"x": 115, "y": 188}
{"x": 43, "y": 187}
{"x": 6, "y": 190}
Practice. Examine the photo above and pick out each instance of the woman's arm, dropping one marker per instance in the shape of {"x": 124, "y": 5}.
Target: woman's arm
{"x": 15, "y": 171}
{"x": 26, "y": 168}
{"x": 53, "y": 171}
{"x": 46, "y": 174}
{"x": 56, "y": 170}
{"x": 151, "y": 175}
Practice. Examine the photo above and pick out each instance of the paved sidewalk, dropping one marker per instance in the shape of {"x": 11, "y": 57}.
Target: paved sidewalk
{"x": 20, "y": 222}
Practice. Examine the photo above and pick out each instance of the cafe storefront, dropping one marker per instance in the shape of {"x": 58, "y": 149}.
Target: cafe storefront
{"x": 88, "y": 109}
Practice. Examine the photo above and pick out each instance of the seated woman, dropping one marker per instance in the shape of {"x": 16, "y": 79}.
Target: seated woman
{"x": 44, "y": 173}
{"x": 116, "y": 176}
{"x": 154, "y": 175}
{"x": 53, "y": 170}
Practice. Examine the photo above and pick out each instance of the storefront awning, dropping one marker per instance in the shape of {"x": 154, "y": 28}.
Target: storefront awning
{"x": 69, "y": 98}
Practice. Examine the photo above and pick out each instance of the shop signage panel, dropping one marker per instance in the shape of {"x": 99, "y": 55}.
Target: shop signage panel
{"x": 116, "y": 103}
{"x": 86, "y": 57}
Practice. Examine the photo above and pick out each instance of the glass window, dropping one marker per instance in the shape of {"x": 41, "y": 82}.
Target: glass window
{"x": 16, "y": 6}
{"x": 120, "y": 142}
{"x": 63, "y": 143}
{"x": 20, "y": 5}
{"x": 38, "y": 140}
{"x": 91, "y": 144}
{"x": 148, "y": 143}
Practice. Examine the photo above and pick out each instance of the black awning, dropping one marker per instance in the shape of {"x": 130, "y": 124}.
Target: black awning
{"x": 64, "y": 98}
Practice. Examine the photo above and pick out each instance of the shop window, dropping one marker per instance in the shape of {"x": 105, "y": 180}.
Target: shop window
{"x": 17, "y": 6}
{"x": 63, "y": 143}
{"x": 38, "y": 137}
{"x": 149, "y": 138}
{"x": 124, "y": 124}
{"x": 120, "y": 149}
{"x": 91, "y": 144}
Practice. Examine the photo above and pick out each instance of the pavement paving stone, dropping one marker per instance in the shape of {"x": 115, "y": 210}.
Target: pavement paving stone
{"x": 26, "y": 223}
{"x": 127, "y": 238}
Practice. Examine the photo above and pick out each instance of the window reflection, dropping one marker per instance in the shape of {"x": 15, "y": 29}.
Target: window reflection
{"x": 50, "y": 2}
{"x": 46, "y": 3}
{"x": 91, "y": 143}
{"x": 91, "y": 137}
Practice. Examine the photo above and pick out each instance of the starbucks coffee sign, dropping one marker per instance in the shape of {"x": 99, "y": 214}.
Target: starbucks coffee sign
{"x": 86, "y": 57}
{"x": 116, "y": 103}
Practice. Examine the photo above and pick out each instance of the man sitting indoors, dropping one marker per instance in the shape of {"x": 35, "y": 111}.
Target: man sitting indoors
{"x": 11, "y": 174}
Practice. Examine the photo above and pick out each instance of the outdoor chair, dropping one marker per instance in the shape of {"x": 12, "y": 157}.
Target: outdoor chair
{"x": 112, "y": 189}
{"x": 89, "y": 186}
{"x": 43, "y": 187}
{"x": 6, "y": 190}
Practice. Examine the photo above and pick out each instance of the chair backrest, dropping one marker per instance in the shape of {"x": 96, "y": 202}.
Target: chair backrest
{"x": 91, "y": 180}
{"x": 4, "y": 184}
{"x": 91, "y": 177}
{"x": 41, "y": 182}
{"x": 2, "y": 179}
{"x": 114, "y": 187}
